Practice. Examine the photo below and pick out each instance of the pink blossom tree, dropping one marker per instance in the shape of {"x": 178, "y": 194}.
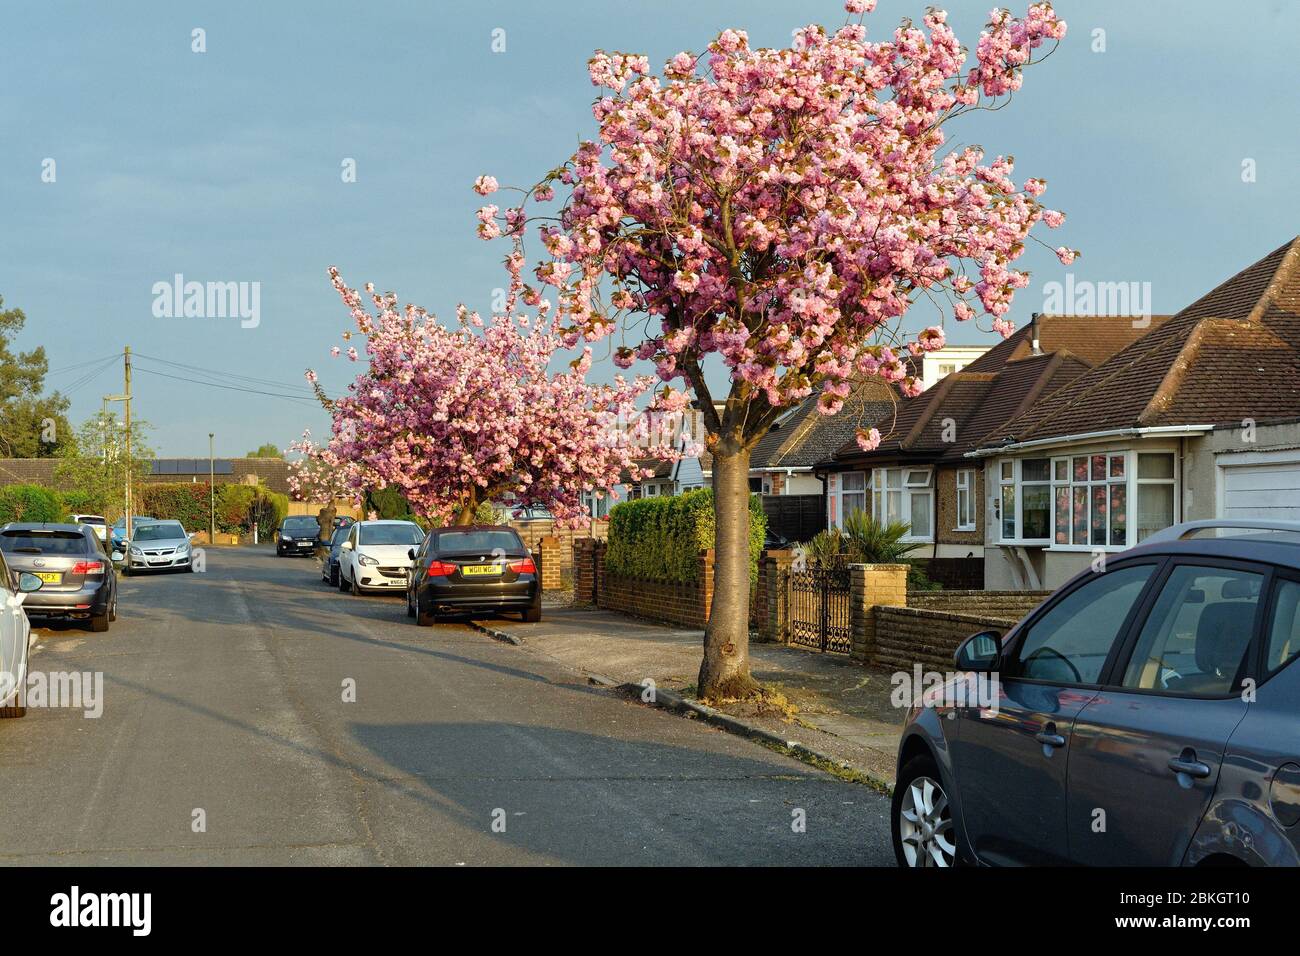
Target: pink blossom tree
{"x": 457, "y": 416}
{"x": 776, "y": 212}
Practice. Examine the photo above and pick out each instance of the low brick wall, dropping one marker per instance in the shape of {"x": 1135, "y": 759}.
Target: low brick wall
{"x": 909, "y": 635}
{"x": 1002, "y": 605}
{"x": 670, "y": 601}
{"x": 535, "y": 530}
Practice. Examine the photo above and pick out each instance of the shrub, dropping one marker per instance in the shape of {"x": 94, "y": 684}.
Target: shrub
{"x": 659, "y": 539}
{"x": 30, "y": 503}
{"x": 186, "y": 502}
{"x": 272, "y": 508}
{"x": 235, "y": 507}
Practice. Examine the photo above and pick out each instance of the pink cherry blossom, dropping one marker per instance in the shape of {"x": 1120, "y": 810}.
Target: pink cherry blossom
{"x": 485, "y": 185}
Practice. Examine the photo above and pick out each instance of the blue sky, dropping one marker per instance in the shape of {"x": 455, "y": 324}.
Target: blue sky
{"x": 225, "y": 165}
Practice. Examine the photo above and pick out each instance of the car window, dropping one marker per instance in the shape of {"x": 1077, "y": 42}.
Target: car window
{"x": 1284, "y": 627}
{"x": 1194, "y": 640}
{"x": 160, "y": 531}
{"x": 42, "y": 542}
{"x": 1069, "y": 643}
{"x": 390, "y": 534}
{"x": 483, "y": 542}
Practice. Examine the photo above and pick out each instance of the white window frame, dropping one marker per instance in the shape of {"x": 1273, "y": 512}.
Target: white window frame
{"x": 967, "y": 500}
{"x": 1063, "y": 477}
{"x": 911, "y": 480}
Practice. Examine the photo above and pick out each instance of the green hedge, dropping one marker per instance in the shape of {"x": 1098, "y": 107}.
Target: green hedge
{"x": 30, "y": 503}
{"x": 183, "y": 501}
{"x": 659, "y": 539}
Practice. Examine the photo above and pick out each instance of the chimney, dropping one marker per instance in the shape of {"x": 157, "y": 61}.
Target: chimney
{"x": 1033, "y": 334}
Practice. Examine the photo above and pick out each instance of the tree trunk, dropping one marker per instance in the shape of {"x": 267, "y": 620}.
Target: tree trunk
{"x": 466, "y": 515}
{"x": 724, "y": 672}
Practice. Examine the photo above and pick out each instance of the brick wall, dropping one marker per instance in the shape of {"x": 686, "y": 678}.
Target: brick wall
{"x": 1000, "y": 605}
{"x": 945, "y": 482}
{"x": 871, "y": 587}
{"x": 908, "y": 635}
{"x": 533, "y": 531}
{"x": 686, "y": 604}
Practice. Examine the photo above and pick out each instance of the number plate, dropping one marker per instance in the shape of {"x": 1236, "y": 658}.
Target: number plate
{"x": 50, "y": 577}
{"x": 480, "y": 570}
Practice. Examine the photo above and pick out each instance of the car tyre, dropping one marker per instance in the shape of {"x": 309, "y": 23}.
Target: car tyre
{"x": 99, "y": 622}
{"x": 334, "y": 577}
{"x": 921, "y": 822}
{"x": 355, "y": 588}
{"x": 14, "y": 710}
{"x": 424, "y": 617}
{"x": 343, "y": 581}
{"x": 410, "y": 608}
{"x": 533, "y": 614}
{"x": 112, "y": 609}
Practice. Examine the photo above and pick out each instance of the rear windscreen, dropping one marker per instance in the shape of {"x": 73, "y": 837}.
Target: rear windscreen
{"x": 484, "y": 542}
{"x": 42, "y": 542}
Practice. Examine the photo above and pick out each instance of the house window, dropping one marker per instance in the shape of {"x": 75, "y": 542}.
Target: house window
{"x": 966, "y": 500}
{"x": 1090, "y": 500}
{"x": 1155, "y": 492}
{"x": 1025, "y": 499}
{"x": 854, "y": 492}
{"x": 904, "y": 494}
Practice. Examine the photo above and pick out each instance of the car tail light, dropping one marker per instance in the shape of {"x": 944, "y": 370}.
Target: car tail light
{"x": 524, "y": 566}
{"x": 88, "y": 567}
{"x": 437, "y": 568}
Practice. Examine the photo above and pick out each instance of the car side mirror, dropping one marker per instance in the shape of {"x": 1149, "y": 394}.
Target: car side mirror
{"x": 981, "y": 653}
{"x": 28, "y": 582}
{"x": 346, "y": 546}
{"x": 410, "y": 553}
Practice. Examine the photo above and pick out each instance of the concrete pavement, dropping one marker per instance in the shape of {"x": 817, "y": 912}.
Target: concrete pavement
{"x": 224, "y": 703}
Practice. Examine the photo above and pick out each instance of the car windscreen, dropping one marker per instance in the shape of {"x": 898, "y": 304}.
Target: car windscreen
{"x": 91, "y": 519}
{"x": 389, "y": 534}
{"x": 478, "y": 542}
{"x": 338, "y": 535}
{"x": 158, "y": 532}
{"x": 301, "y": 525}
{"x": 42, "y": 542}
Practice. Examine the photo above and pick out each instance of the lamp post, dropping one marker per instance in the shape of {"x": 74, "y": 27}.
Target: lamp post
{"x": 212, "y": 496}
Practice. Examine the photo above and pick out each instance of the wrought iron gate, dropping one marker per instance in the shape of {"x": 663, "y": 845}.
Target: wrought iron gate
{"x": 818, "y": 610}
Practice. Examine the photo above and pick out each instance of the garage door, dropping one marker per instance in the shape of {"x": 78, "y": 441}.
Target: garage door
{"x": 1264, "y": 490}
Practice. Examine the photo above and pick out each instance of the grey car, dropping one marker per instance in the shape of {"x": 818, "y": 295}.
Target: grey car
{"x": 158, "y": 546}
{"x": 1144, "y": 714}
{"x": 78, "y": 583}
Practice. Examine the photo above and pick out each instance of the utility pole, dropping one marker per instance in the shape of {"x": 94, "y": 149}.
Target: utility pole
{"x": 126, "y": 369}
{"x": 212, "y": 497}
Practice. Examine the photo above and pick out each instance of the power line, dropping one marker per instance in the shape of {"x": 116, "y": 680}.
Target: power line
{"x": 232, "y": 388}
{"x": 90, "y": 376}
{"x": 69, "y": 368}
{"x": 224, "y": 375}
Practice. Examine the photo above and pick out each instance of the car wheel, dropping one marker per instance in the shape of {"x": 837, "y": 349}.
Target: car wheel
{"x": 424, "y": 617}
{"x": 14, "y": 710}
{"x": 112, "y": 609}
{"x": 99, "y": 622}
{"x": 533, "y": 614}
{"x": 355, "y": 588}
{"x": 410, "y": 608}
{"x": 334, "y": 577}
{"x": 924, "y": 831}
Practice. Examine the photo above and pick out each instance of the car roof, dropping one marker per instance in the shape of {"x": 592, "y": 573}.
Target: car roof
{"x": 1269, "y": 549}
{"x": 475, "y": 527}
{"x": 41, "y": 526}
{"x": 367, "y": 523}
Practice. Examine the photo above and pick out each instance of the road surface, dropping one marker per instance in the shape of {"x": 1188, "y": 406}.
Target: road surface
{"x": 225, "y": 738}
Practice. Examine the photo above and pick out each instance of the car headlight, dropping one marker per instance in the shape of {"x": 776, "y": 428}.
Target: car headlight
{"x": 135, "y": 550}
{"x": 183, "y": 548}
{"x": 367, "y": 560}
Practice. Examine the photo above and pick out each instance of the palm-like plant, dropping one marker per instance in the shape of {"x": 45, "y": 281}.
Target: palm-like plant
{"x": 871, "y": 542}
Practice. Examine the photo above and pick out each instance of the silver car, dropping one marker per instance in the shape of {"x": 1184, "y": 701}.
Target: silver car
{"x": 158, "y": 546}
{"x": 1144, "y": 714}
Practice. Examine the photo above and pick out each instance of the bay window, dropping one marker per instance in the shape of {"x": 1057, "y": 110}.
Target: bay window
{"x": 904, "y": 494}
{"x": 1085, "y": 501}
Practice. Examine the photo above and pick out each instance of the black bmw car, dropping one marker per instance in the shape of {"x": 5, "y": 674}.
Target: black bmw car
{"x": 79, "y": 581}
{"x": 477, "y": 568}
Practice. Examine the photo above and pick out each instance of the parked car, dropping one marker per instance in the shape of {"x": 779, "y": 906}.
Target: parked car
{"x": 480, "y": 568}
{"x": 118, "y": 535}
{"x": 774, "y": 542}
{"x": 97, "y": 524}
{"x": 16, "y": 587}
{"x": 375, "y": 555}
{"x": 1145, "y": 715}
{"x": 158, "y": 546}
{"x": 330, "y": 566}
{"x": 78, "y": 582}
{"x": 297, "y": 535}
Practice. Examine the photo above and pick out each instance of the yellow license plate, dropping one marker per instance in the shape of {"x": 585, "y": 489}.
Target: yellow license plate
{"x": 480, "y": 570}
{"x": 50, "y": 577}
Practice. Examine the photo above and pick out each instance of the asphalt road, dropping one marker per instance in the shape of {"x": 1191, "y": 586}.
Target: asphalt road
{"x": 223, "y": 703}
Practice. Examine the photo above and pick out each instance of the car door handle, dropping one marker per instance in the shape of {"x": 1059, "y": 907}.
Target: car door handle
{"x": 1190, "y": 766}
{"x": 1049, "y": 739}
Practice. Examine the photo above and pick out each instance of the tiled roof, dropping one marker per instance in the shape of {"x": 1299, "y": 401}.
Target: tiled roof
{"x": 806, "y": 436}
{"x": 1234, "y": 353}
{"x": 273, "y": 472}
{"x": 957, "y": 414}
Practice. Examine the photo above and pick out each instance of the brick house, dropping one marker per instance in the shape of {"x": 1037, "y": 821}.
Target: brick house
{"x": 1200, "y": 418}
{"x": 920, "y": 473}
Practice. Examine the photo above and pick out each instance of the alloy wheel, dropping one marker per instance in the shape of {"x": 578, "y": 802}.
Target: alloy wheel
{"x": 925, "y": 825}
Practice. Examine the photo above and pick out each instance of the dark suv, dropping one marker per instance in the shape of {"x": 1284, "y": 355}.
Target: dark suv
{"x": 79, "y": 583}
{"x": 1144, "y": 714}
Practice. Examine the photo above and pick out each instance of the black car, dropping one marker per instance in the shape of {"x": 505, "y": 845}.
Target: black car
{"x": 330, "y": 566}
{"x": 79, "y": 581}
{"x": 297, "y": 535}
{"x": 476, "y": 568}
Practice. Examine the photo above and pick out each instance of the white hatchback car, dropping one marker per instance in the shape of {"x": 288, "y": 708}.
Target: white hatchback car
{"x": 376, "y": 555}
{"x": 15, "y": 636}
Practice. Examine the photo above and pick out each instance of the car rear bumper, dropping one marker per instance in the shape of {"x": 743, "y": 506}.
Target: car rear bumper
{"x": 515, "y": 594}
{"x": 89, "y": 601}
